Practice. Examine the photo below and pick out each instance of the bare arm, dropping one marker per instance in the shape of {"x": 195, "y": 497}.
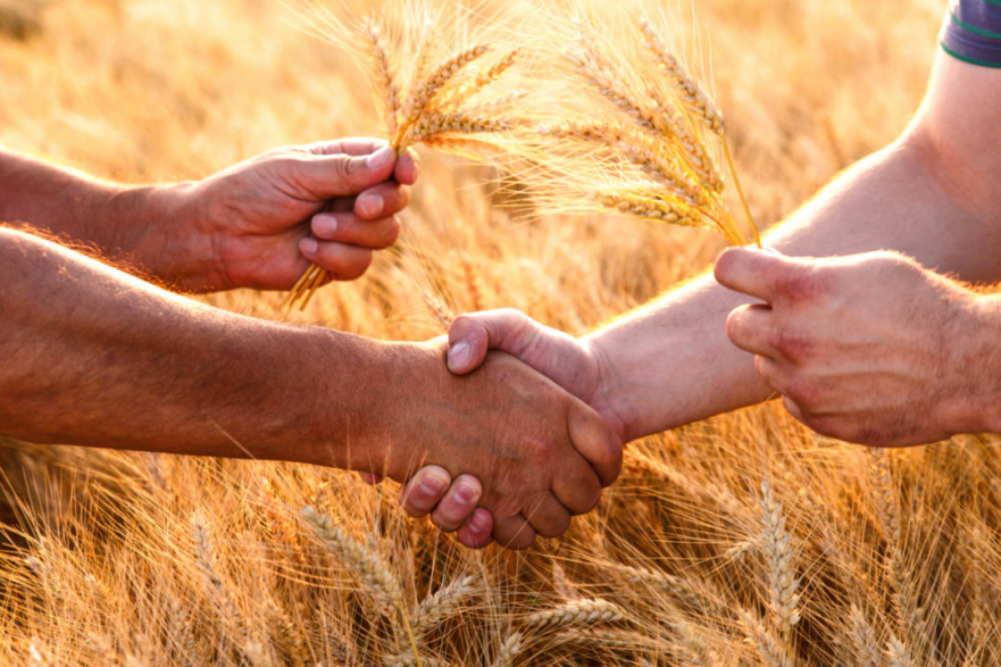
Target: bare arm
{"x": 932, "y": 195}
{"x": 872, "y": 348}
{"x": 257, "y": 224}
{"x": 96, "y": 357}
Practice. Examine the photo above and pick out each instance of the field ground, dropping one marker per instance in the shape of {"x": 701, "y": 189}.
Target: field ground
{"x": 156, "y": 560}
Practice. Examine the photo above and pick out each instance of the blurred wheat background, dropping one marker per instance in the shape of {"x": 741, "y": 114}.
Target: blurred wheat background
{"x": 743, "y": 540}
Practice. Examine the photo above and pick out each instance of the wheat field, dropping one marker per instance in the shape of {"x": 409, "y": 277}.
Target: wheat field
{"x": 742, "y": 540}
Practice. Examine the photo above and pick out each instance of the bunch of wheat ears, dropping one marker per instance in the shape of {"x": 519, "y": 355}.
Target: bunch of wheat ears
{"x": 659, "y": 144}
{"x": 444, "y": 102}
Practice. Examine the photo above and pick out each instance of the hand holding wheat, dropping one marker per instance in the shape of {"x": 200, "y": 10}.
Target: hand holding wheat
{"x": 440, "y": 101}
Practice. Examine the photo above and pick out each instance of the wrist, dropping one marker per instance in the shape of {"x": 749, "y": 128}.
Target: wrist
{"x": 974, "y": 403}
{"x": 365, "y": 411}
{"x": 161, "y": 233}
{"x": 606, "y": 396}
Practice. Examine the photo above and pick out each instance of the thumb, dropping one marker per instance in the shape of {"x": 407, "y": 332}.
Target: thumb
{"x": 471, "y": 336}
{"x": 596, "y": 441}
{"x": 342, "y": 175}
{"x": 755, "y": 272}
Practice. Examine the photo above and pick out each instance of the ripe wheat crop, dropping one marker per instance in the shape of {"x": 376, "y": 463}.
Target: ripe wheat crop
{"x": 741, "y": 540}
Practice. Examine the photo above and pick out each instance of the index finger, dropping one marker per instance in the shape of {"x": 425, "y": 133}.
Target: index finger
{"x": 352, "y": 146}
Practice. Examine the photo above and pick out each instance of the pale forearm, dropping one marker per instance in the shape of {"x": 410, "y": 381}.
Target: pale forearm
{"x": 671, "y": 362}
{"x": 95, "y": 357}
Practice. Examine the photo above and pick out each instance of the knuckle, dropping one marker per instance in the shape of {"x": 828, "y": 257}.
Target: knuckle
{"x": 590, "y": 502}
{"x": 360, "y": 264}
{"x": 520, "y": 541}
{"x": 735, "y": 324}
{"x": 832, "y": 427}
{"x": 724, "y": 263}
{"x": 555, "y": 527}
{"x": 807, "y": 395}
{"x": 393, "y": 229}
{"x": 350, "y": 167}
{"x": 403, "y": 195}
{"x": 804, "y": 283}
{"x": 793, "y": 344}
{"x": 444, "y": 522}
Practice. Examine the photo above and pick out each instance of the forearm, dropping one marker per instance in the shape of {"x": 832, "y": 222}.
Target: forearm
{"x": 95, "y": 357}
{"x": 112, "y": 218}
{"x": 671, "y": 362}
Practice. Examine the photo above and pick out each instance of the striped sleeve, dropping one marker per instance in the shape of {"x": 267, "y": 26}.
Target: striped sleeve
{"x": 972, "y": 32}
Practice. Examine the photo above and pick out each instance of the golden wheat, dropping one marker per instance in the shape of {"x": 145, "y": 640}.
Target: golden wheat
{"x": 655, "y": 119}
{"x": 440, "y": 106}
{"x": 114, "y": 577}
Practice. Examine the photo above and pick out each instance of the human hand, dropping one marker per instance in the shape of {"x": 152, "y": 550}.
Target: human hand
{"x": 541, "y": 454}
{"x": 870, "y": 348}
{"x": 262, "y": 222}
{"x": 573, "y": 364}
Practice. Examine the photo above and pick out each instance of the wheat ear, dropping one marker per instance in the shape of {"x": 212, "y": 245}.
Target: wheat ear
{"x": 866, "y": 650}
{"x": 771, "y": 649}
{"x": 372, "y": 572}
{"x": 585, "y": 611}
{"x": 426, "y": 90}
{"x": 384, "y": 76}
{"x": 780, "y": 556}
{"x": 444, "y": 603}
{"x": 897, "y": 654}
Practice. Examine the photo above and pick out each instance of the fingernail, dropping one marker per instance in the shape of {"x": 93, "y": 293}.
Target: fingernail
{"x": 458, "y": 354}
{"x": 308, "y": 246}
{"x": 465, "y": 492}
{"x": 432, "y": 484}
{"x": 380, "y": 158}
{"x": 475, "y": 527}
{"x": 370, "y": 204}
{"x": 324, "y": 225}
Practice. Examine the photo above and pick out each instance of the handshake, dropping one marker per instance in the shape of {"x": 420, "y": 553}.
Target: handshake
{"x": 529, "y": 443}
{"x": 517, "y": 426}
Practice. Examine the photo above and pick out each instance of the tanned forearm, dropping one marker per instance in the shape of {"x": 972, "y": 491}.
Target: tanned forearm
{"x": 110, "y": 218}
{"x": 95, "y": 357}
{"x": 932, "y": 195}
